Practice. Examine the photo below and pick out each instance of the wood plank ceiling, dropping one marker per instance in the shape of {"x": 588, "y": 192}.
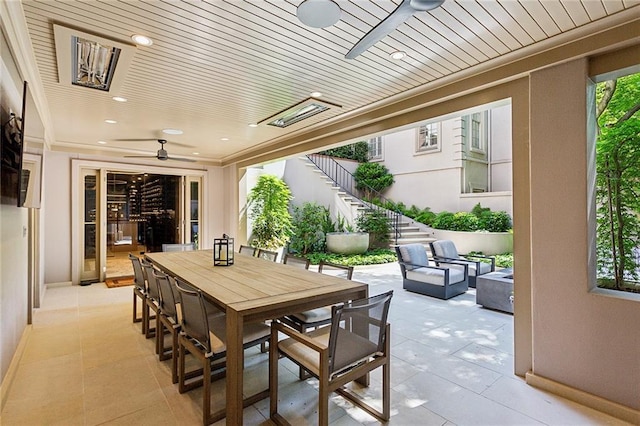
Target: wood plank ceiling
{"x": 217, "y": 66}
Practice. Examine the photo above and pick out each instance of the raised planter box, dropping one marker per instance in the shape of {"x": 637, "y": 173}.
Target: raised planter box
{"x": 347, "y": 242}
{"x": 489, "y": 243}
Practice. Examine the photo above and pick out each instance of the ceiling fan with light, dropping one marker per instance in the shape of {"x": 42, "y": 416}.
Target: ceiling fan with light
{"x": 162, "y": 153}
{"x": 404, "y": 11}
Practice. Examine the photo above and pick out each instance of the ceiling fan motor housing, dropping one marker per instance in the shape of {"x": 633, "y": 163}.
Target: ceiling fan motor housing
{"x": 424, "y": 5}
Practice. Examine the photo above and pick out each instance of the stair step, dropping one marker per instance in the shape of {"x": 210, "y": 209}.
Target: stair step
{"x": 425, "y": 241}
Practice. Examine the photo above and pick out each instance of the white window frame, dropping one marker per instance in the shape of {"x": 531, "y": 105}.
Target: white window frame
{"x": 471, "y": 134}
{"x": 425, "y": 140}
{"x": 374, "y": 148}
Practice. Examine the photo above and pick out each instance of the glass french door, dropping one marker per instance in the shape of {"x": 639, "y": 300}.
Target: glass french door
{"x": 90, "y": 216}
{"x": 193, "y": 197}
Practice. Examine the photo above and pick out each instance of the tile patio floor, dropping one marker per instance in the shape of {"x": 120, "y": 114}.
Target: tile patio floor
{"x": 85, "y": 363}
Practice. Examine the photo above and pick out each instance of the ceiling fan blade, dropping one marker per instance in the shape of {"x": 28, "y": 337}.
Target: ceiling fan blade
{"x": 181, "y": 159}
{"x": 403, "y": 12}
{"x": 140, "y": 156}
{"x": 153, "y": 140}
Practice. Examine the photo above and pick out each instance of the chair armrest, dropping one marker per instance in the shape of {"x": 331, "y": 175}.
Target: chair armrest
{"x": 413, "y": 266}
{"x": 300, "y": 337}
{"x": 482, "y": 256}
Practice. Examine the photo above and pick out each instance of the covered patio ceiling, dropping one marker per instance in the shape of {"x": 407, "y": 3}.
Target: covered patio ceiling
{"x": 217, "y": 67}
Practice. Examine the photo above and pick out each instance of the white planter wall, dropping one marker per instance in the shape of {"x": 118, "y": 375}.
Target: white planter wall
{"x": 489, "y": 243}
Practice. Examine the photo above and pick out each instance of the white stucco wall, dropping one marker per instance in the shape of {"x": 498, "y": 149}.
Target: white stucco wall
{"x": 434, "y": 179}
{"x": 500, "y": 150}
{"x": 57, "y": 221}
{"x": 13, "y": 238}
{"x": 306, "y": 185}
{"x": 584, "y": 338}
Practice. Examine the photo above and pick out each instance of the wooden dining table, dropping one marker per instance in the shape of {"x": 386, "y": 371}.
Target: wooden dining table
{"x": 253, "y": 290}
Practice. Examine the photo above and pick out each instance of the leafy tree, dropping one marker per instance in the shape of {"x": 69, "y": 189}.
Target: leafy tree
{"x": 269, "y": 210}
{"x": 372, "y": 177}
{"x": 356, "y": 151}
{"x": 618, "y": 178}
{"x": 310, "y": 223}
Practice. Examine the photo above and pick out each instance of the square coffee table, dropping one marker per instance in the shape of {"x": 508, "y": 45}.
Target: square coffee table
{"x": 494, "y": 290}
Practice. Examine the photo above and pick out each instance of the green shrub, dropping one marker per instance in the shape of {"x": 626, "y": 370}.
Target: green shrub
{"x": 358, "y": 151}
{"x": 463, "y": 221}
{"x": 371, "y": 257}
{"x": 495, "y": 221}
{"x": 425, "y": 216}
{"x": 376, "y": 223}
{"x": 480, "y": 219}
{"x": 478, "y": 210}
{"x": 372, "y": 177}
{"x": 309, "y": 222}
{"x": 443, "y": 220}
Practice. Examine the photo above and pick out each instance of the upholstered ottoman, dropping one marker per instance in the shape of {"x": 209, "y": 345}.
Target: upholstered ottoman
{"x": 494, "y": 290}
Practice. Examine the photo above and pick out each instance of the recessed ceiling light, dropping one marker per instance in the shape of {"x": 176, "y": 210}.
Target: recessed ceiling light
{"x": 398, "y": 55}
{"x": 119, "y": 99}
{"x": 318, "y": 13}
{"x": 316, "y": 94}
{"x": 110, "y": 121}
{"x": 224, "y": 139}
{"x": 195, "y": 153}
{"x": 141, "y": 40}
{"x": 172, "y": 131}
{"x": 253, "y": 125}
{"x": 102, "y": 142}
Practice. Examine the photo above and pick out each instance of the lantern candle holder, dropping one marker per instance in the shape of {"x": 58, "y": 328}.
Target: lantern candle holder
{"x": 223, "y": 251}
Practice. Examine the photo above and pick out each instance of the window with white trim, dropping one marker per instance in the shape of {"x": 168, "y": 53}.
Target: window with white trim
{"x": 474, "y": 131}
{"x": 428, "y": 138}
{"x": 375, "y": 148}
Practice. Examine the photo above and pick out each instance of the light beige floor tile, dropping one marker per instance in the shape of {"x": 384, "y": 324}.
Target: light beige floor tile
{"x": 52, "y": 342}
{"x": 115, "y": 377}
{"x": 543, "y": 406}
{"x": 45, "y": 318}
{"x": 35, "y": 412}
{"x": 116, "y": 406}
{"x": 155, "y": 415}
{"x": 48, "y": 380}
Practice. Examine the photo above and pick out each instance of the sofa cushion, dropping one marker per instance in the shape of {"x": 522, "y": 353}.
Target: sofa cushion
{"x": 414, "y": 254}
{"x": 434, "y": 276}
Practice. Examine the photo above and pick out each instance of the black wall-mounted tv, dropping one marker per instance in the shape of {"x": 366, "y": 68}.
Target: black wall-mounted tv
{"x": 11, "y": 152}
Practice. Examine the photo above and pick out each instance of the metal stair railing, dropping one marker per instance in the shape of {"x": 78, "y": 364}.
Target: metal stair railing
{"x": 347, "y": 182}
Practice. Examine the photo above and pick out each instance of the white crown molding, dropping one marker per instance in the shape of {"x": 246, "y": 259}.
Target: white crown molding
{"x": 14, "y": 25}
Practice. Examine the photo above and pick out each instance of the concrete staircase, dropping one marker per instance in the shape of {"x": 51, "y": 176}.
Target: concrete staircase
{"x": 351, "y": 207}
{"x": 410, "y": 234}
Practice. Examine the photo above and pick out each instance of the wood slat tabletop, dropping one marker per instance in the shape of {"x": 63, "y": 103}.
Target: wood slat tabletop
{"x": 252, "y": 285}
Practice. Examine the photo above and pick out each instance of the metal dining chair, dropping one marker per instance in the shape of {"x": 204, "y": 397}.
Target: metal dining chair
{"x": 139, "y": 291}
{"x": 356, "y": 343}
{"x": 248, "y": 250}
{"x": 168, "y": 320}
{"x": 314, "y": 318}
{"x": 300, "y": 262}
{"x": 178, "y": 247}
{"x": 203, "y": 334}
{"x": 152, "y": 302}
{"x": 268, "y": 255}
